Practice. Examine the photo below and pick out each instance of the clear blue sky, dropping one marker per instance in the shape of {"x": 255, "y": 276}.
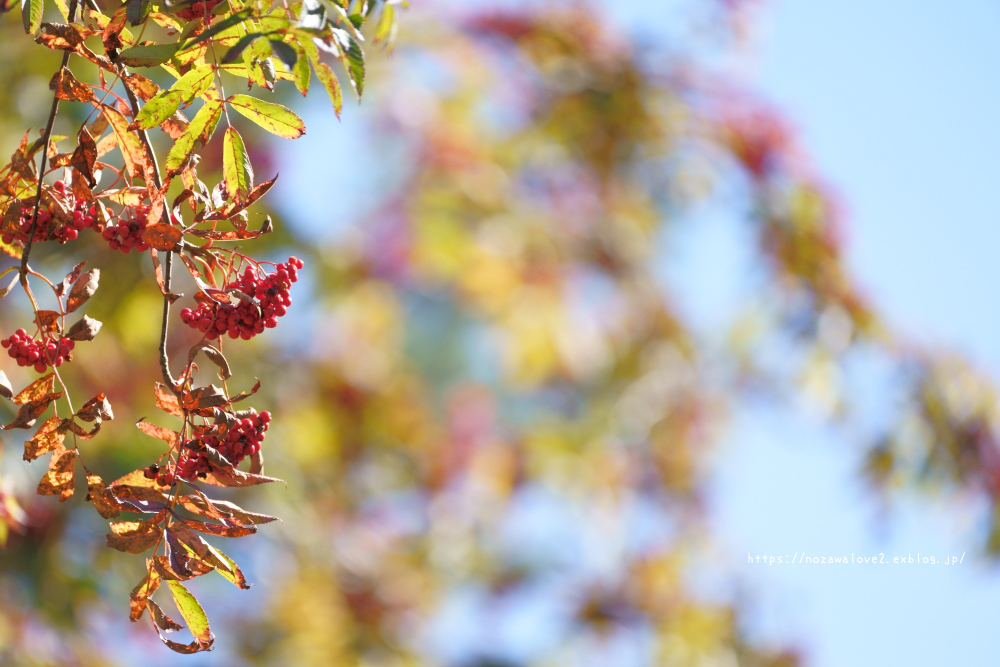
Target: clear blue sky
{"x": 898, "y": 105}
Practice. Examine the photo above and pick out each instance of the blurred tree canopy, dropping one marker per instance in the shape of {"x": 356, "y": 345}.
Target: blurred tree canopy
{"x": 490, "y": 407}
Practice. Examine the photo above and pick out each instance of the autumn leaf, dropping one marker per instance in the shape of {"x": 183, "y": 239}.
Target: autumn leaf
{"x": 274, "y": 118}
{"x": 48, "y": 438}
{"x": 40, "y": 387}
{"x": 197, "y": 134}
{"x": 193, "y": 614}
{"x": 236, "y": 169}
{"x": 83, "y": 289}
{"x": 59, "y": 479}
{"x": 162, "y": 236}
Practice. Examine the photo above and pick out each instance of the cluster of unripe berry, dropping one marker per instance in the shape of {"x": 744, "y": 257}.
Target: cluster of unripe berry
{"x": 247, "y": 319}
{"x": 243, "y": 439}
{"x": 40, "y": 354}
{"x": 84, "y": 216}
{"x": 126, "y": 235}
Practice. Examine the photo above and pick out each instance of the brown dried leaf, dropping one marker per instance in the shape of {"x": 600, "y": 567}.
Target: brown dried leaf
{"x": 85, "y": 156}
{"x": 142, "y": 87}
{"x": 47, "y": 320}
{"x": 104, "y": 502}
{"x": 85, "y": 329}
{"x": 30, "y": 412}
{"x": 235, "y": 477}
{"x": 162, "y": 621}
{"x": 158, "y": 432}
{"x": 66, "y": 87}
{"x": 143, "y": 590}
{"x": 83, "y": 289}
{"x": 166, "y": 401}
{"x": 96, "y": 409}
{"x": 48, "y": 438}
{"x": 205, "y": 397}
{"x": 215, "y": 356}
{"x": 59, "y": 480}
{"x": 162, "y": 236}
{"x": 221, "y": 531}
{"x": 40, "y": 387}
{"x": 70, "y": 278}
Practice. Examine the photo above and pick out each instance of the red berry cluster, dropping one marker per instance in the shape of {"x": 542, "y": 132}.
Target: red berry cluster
{"x": 84, "y": 216}
{"x": 247, "y": 319}
{"x": 126, "y": 235}
{"x": 196, "y": 10}
{"x": 28, "y": 352}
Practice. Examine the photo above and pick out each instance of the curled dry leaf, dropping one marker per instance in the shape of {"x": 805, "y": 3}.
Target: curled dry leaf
{"x": 85, "y": 329}
{"x": 83, "y": 289}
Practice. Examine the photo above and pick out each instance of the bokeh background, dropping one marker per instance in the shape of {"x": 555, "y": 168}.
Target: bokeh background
{"x": 599, "y": 300}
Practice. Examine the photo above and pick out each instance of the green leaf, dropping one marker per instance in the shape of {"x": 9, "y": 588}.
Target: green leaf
{"x": 149, "y": 55}
{"x": 194, "y": 83}
{"x": 274, "y": 118}
{"x": 192, "y": 613}
{"x": 354, "y": 62}
{"x": 236, "y": 170}
{"x": 236, "y": 50}
{"x": 137, "y": 11}
{"x": 284, "y": 52}
{"x": 300, "y": 72}
{"x": 31, "y": 15}
{"x": 331, "y": 83}
{"x": 228, "y": 22}
{"x": 197, "y": 134}
{"x": 158, "y": 109}
{"x": 386, "y": 28}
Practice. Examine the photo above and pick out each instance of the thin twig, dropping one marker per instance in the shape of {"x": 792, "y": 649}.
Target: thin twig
{"x": 168, "y": 377}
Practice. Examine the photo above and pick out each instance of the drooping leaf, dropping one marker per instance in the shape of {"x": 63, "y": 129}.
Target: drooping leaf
{"x": 31, "y": 15}
{"x": 194, "y": 137}
{"x": 59, "y": 479}
{"x": 234, "y": 19}
{"x": 274, "y": 118}
{"x": 142, "y": 592}
{"x": 236, "y": 169}
{"x": 332, "y": 85}
{"x": 193, "y": 614}
{"x": 48, "y": 438}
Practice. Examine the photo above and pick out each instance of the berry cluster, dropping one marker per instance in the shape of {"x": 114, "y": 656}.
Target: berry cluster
{"x": 247, "y": 319}
{"x": 84, "y": 216}
{"x": 126, "y": 235}
{"x": 243, "y": 439}
{"x": 28, "y": 352}
{"x": 196, "y": 10}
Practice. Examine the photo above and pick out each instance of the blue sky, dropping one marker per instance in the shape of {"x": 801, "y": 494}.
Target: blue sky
{"x": 897, "y": 105}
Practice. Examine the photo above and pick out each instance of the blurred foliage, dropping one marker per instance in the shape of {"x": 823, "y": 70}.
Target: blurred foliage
{"x": 490, "y": 407}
